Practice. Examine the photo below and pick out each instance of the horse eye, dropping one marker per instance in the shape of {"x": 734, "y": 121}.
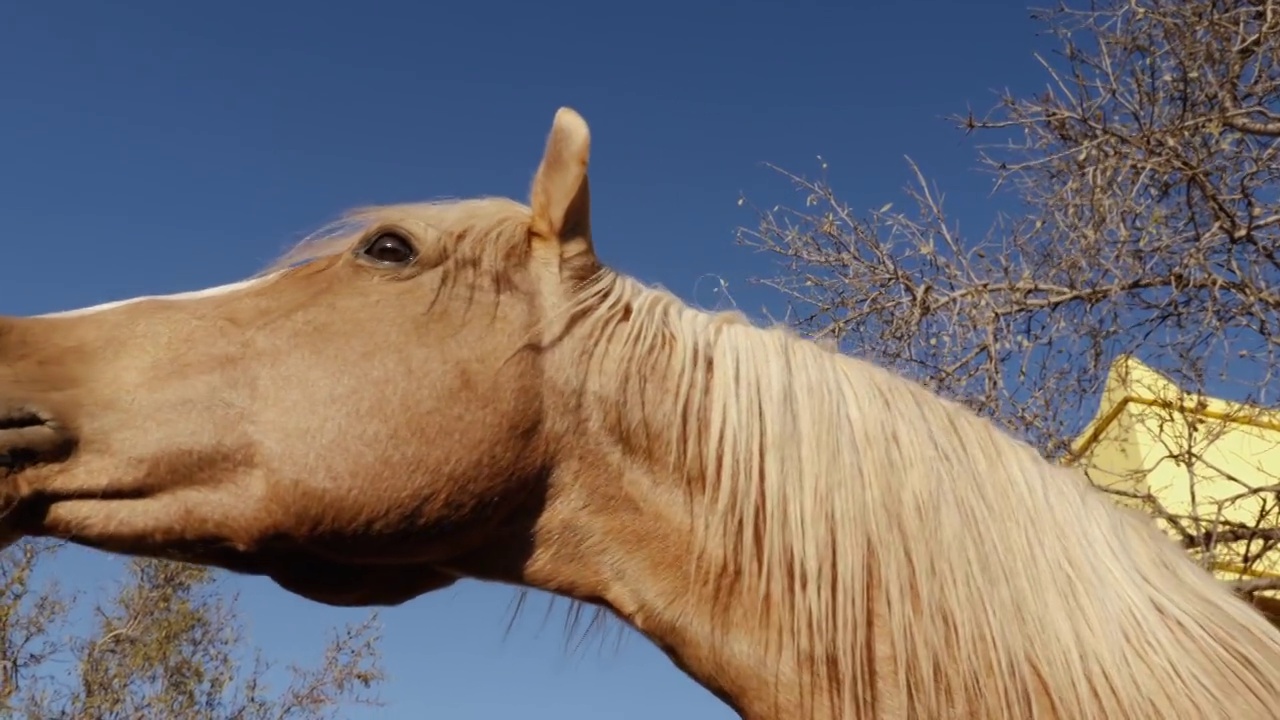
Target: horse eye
{"x": 390, "y": 249}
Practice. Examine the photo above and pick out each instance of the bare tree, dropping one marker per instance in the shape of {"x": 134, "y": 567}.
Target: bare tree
{"x": 1144, "y": 184}
{"x": 166, "y": 644}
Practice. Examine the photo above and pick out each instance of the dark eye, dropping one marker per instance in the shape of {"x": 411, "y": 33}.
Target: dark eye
{"x": 390, "y": 249}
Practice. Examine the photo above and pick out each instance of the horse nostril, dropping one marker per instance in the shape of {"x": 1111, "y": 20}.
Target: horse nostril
{"x": 19, "y": 419}
{"x": 28, "y": 437}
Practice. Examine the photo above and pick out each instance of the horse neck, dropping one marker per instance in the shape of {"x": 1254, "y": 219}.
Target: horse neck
{"x": 625, "y": 546}
{"x": 623, "y": 523}
{"x": 642, "y": 517}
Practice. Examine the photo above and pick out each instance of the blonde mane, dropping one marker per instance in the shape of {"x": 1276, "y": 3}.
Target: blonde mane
{"x": 872, "y": 519}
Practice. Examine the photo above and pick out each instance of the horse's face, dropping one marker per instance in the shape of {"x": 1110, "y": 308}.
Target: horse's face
{"x": 383, "y": 402}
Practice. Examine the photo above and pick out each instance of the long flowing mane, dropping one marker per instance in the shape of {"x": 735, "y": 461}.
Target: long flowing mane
{"x": 898, "y": 545}
{"x": 855, "y": 505}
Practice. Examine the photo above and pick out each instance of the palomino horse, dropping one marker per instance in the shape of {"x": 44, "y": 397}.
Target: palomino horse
{"x": 436, "y": 391}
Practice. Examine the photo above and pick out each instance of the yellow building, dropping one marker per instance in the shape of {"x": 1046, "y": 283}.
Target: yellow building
{"x": 1199, "y": 462}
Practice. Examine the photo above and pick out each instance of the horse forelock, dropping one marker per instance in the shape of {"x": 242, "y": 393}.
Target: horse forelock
{"x": 872, "y": 519}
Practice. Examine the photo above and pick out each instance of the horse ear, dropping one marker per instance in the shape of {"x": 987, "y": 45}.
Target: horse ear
{"x": 560, "y": 197}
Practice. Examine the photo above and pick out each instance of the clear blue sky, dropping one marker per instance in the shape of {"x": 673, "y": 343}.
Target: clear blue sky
{"x": 151, "y": 147}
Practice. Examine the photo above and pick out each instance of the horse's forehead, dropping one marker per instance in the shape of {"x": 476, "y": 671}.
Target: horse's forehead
{"x": 483, "y": 232}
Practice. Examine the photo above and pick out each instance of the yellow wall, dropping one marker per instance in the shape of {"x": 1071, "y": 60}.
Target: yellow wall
{"x": 1146, "y": 429}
